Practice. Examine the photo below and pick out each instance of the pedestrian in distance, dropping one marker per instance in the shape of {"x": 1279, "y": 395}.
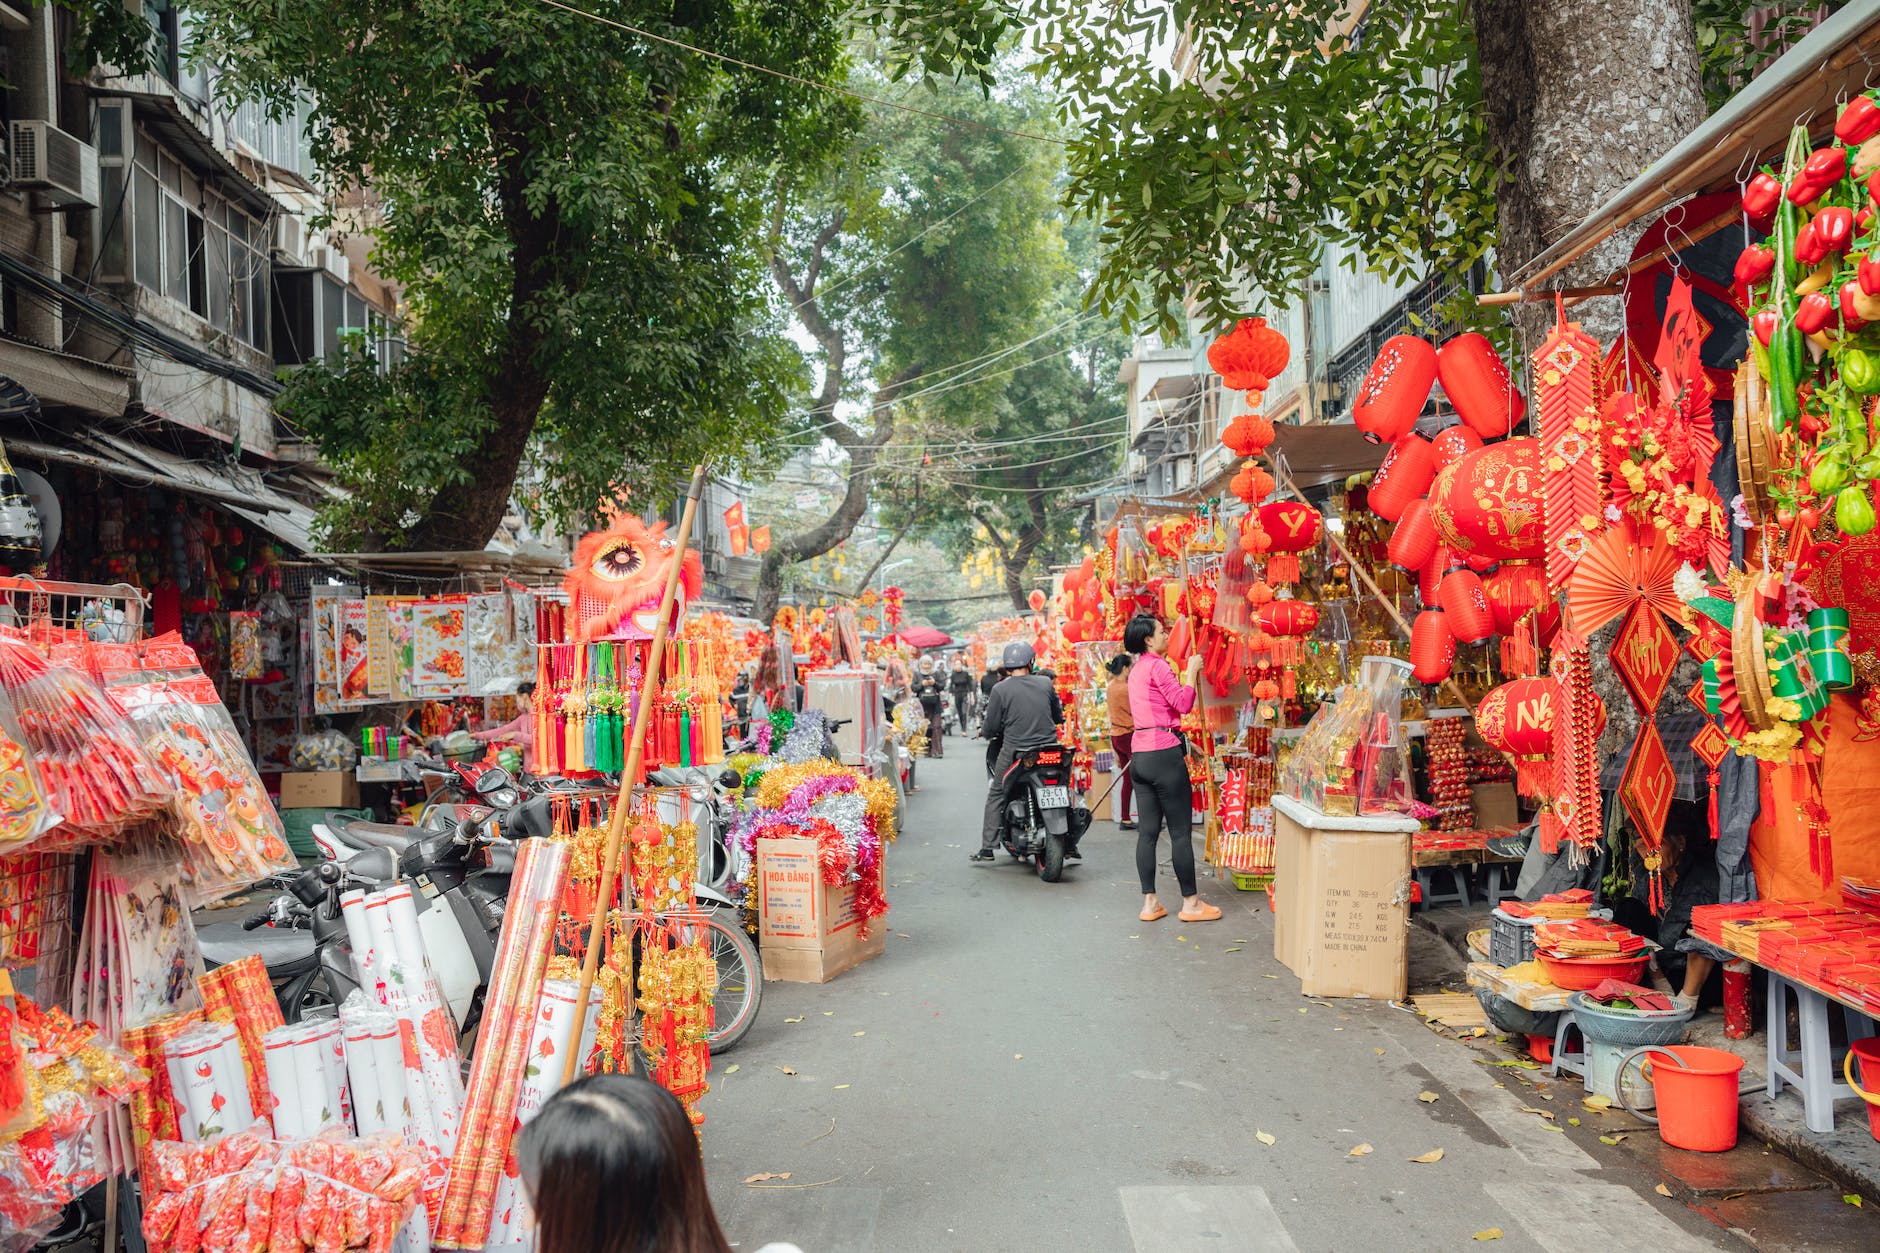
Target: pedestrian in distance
{"x": 611, "y": 1165}
{"x": 1117, "y": 697}
{"x": 960, "y": 684}
{"x": 930, "y": 687}
{"x": 1158, "y": 761}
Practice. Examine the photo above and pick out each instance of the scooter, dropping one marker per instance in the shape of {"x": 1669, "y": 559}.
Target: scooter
{"x": 1039, "y": 822}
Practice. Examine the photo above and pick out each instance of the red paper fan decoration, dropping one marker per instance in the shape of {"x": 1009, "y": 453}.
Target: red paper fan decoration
{"x": 1452, "y": 444}
{"x": 1465, "y": 605}
{"x": 1432, "y": 647}
{"x": 1620, "y": 569}
{"x": 1395, "y": 390}
{"x": 1476, "y": 380}
{"x": 1406, "y": 473}
{"x": 1414, "y": 541}
{"x": 1489, "y": 503}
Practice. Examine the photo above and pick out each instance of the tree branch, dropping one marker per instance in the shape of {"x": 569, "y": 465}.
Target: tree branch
{"x": 913, "y": 512}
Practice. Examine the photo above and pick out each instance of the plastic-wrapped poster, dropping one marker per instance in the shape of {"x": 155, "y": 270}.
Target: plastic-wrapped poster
{"x": 437, "y": 643}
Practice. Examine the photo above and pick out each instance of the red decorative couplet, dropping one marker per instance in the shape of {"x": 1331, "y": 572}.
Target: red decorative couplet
{"x": 1234, "y": 803}
{"x": 1645, "y": 653}
{"x": 1648, "y": 784}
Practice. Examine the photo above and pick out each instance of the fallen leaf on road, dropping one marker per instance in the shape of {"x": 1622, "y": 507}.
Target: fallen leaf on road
{"x": 1544, "y": 1113}
{"x": 1304, "y": 1010}
{"x": 1269, "y": 976}
{"x": 1018, "y": 1057}
{"x": 796, "y": 1019}
{"x": 860, "y": 1034}
{"x": 1379, "y": 1052}
{"x": 1434, "y": 1155}
{"x": 1661, "y": 1190}
{"x": 1359, "y": 1151}
{"x": 1852, "y": 1198}
{"x": 904, "y": 935}
{"x": 786, "y": 1070}
{"x": 1523, "y": 1063}
{"x": 732, "y": 1069}
{"x": 1266, "y": 1137}
{"x": 1601, "y": 1103}
{"x": 840, "y": 1086}
{"x": 1573, "y": 1122}
{"x": 1493, "y": 1233}
{"x": 829, "y": 1013}
{"x": 1230, "y": 950}
{"x": 1479, "y": 1032}
{"x": 1428, "y": 1097}
{"x": 1612, "y": 1139}
{"x": 1182, "y": 938}
{"x": 767, "y": 1176}
{"x": 1137, "y": 937}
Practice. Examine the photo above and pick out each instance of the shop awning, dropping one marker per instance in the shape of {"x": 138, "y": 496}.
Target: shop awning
{"x": 1325, "y": 453}
{"x": 64, "y": 381}
{"x": 1831, "y": 63}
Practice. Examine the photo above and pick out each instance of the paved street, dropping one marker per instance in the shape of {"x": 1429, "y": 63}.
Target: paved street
{"x": 1030, "y": 1067}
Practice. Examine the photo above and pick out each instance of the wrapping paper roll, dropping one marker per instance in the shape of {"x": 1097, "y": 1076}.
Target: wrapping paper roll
{"x": 362, "y": 1072}
{"x": 284, "y": 1085}
{"x": 413, "y": 995}
{"x": 155, "y": 1109}
{"x": 381, "y": 943}
{"x": 328, "y": 1043}
{"x": 512, "y": 1223}
{"x": 241, "y": 993}
{"x": 205, "y": 1072}
{"x": 352, "y": 910}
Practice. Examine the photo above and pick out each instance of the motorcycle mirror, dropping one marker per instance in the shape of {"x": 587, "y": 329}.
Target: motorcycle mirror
{"x": 495, "y": 779}
{"x": 731, "y": 779}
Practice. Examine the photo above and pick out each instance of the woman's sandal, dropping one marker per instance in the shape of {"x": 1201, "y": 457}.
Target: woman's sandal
{"x": 1148, "y": 915}
{"x": 1207, "y": 913}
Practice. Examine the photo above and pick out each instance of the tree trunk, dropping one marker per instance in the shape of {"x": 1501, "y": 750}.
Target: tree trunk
{"x": 1018, "y": 556}
{"x": 1579, "y": 96}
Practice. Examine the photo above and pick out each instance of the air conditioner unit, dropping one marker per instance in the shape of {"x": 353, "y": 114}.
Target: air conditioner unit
{"x": 61, "y": 167}
{"x": 333, "y": 261}
{"x": 290, "y": 239}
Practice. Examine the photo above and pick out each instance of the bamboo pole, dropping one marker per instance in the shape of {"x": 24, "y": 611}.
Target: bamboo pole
{"x": 1614, "y": 284}
{"x": 623, "y": 800}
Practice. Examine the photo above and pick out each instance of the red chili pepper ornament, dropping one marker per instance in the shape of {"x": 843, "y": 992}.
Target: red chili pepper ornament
{"x": 1826, "y": 167}
{"x": 1850, "y": 314}
{"x": 1810, "y": 249}
{"x": 1834, "y": 226}
{"x": 1762, "y": 194}
{"x": 1867, "y": 273}
{"x": 1755, "y": 264}
{"x": 1764, "y": 323}
{"x": 1859, "y": 121}
{"x": 1813, "y": 313}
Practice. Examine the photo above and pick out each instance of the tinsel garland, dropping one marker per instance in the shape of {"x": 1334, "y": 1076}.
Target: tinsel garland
{"x": 846, "y": 813}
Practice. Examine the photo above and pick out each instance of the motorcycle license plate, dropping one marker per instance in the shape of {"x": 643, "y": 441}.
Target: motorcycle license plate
{"x": 1054, "y": 797}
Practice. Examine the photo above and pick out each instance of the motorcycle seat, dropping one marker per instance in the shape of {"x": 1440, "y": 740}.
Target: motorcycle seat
{"x": 360, "y": 834}
{"x": 286, "y": 952}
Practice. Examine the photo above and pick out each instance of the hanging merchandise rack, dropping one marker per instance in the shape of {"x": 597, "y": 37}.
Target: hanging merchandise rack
{"x": 46, "y": 611}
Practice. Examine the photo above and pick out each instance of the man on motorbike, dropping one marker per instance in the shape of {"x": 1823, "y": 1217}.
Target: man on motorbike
{"x": 1023, "y": 714}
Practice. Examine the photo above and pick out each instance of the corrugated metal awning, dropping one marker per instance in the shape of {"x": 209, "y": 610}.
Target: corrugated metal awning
{"x": 1833, "y": 62}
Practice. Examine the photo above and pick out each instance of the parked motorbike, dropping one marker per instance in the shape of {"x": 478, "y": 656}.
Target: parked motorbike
{"x": 460, "y": 875}
{"x": 1038, "y": 820}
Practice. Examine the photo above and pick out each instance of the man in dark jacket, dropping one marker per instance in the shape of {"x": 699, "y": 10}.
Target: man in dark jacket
{"x": 930, "y": 687}
{"x": 960, "y": 683}
{"x": 1023, "y": 713}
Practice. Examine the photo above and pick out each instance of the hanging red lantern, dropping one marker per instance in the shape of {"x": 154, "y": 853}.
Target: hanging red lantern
{"x": 1395, "y": 390}
{"x": 1248, "y": 357}
{"x": 1248, "y": 435}
{"x": 1432, "y": 647}
{"x": 1453, "y": 444}
{"x": 1260, "y": 593}
{"x": 1267, "y": 349}
{"x": 1406, "y": 473}
{"x": 1517, "y": 718}
{"x": 1477, "y": 382}
{"x": 1289, "y": 617}
{"x": 1252, "y": 484}
{"x": 1489, "y": 503}
{"x": 1414, "y": 541}
{"x": 1294, "y": 526}
{"x": 1466, "y": 605}
{"x": 1512, "y": 590}
{"x": 1430, "y": 575}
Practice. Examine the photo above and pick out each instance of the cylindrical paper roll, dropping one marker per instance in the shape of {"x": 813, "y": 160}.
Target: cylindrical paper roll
{"x": 352, "y": 908}
{"x": 362, "y": 1074}
{"x": 277, "y": 1048}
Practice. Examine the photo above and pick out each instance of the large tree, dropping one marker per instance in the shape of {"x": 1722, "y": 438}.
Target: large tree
{"x": 574, "y": 206}
{"x": 1424, "y": 135}
{"x": 915, "y": 262}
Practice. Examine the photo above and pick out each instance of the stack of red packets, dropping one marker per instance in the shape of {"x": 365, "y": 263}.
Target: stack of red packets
{"x": 1834, "y": 950}
{"x": 1577, "y": 903}
{"x": 1586, "y": 937}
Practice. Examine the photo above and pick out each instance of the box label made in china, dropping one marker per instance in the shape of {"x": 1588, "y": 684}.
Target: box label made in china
{"x": 1356, "y": 919}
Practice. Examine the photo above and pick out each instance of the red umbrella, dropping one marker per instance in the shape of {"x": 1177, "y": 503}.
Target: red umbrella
{"x": 922, "y": 637}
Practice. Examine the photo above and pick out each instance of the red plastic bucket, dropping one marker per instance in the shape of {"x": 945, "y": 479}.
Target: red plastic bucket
{"x": 1868, "y": 1087}
{"x": 1696, "y": 1090}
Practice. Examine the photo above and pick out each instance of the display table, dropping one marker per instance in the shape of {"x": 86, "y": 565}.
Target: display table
{"x": 1541, "y": 998}
{"x": 1342, "y": 900}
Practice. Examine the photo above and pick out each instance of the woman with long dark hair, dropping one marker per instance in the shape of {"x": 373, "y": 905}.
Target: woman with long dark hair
{"x": 1159, "y": 765}
{"x": 611, "y": 1165}
{"x": 1121, "y": 725}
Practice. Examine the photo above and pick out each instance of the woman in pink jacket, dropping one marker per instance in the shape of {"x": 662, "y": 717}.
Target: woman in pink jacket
{"x": 1159, "y": 767}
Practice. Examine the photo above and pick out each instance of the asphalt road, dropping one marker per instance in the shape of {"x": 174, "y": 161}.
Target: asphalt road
{"x": 1028, "y": 1067}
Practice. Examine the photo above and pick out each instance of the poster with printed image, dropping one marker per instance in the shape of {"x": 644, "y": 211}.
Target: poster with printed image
{"x": 437, "y": 647}
{"x": 500, "y": 649}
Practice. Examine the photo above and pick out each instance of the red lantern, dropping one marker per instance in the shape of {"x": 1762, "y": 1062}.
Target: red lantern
{"x": 1430, "y": 576}
{"x": 1295, "y": 526}
{"x": 1268, "y": 349}
{"x": 1512, "y": 590}
{"x": 1466, "y": 605}
{"x": 1414, "y": 541}
{"x": 1248, "y": 435}
{"x": 1035, "y": 600}
{"x": 1453, "y": 444}
{"x": 1476, "y": 380}
{"x": 1489, "y": 503}
{"x": 1432, "y": 647}
{"x": 1408, "y": 469}
{"x": 1393, "y": 393}
{"x": 1252, "y": 484}
{"x": 1517, "y": 718}
{"x": 1248, "y": 357}
{"x": 1289, "y": 617}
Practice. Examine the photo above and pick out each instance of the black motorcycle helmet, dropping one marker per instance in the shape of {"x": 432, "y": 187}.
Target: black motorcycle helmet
{"x": 1018, "y": 656}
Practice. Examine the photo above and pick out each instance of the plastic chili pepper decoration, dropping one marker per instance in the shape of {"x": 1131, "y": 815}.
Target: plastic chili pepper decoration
{"x": 1834, "y": 227}
{"x": 1810, "y": 249}
{"x": 1813, "y": 313}
{"x": 1826, "y": 168}
{"x": 1867, "y": 274}
{"x": 1764, "y": 323}
{"x": 1859, "y": 121}
{"x": 1850, "y": 313}
{"x": 1762, "y": 194}
{"x": 1755, "y": 264}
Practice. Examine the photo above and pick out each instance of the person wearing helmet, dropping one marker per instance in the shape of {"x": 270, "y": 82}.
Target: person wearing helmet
{"x": 1023, "y": 713}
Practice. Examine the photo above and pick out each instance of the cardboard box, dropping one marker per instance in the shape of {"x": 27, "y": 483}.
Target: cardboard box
{"x": 1103, "y": 809}
{"x": 808, "y": 932}
{"x": 1494, "y": 805}
{"x": 320, "y": 789}
{"x": 1342, "y": 901}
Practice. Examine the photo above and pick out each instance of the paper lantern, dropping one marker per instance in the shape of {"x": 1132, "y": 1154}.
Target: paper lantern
{"x": 1289, "y": 617}
{"x": 1466, "y": 605}
{"x": 1248, "y": 357}
{"x": 1294, "y": 525}
{"x": 1430, "y": 575}
{"x": 1406, "y": 473}
{"x": 1252, "y": 484}
{"x": 1476, "y": 380}
{"x": 1267, "y": 348}
{"x": 1512, "y": 590}
{"x": 1517, "y": 718}
{"x": 1395, "y": 390}
{"x": 1432, "y": 647}
{"x": 1489, "y": 503}
{"x": 1453, "y": 444}
{"x": 1414, "y": 541}
{"x": 1248, "y": 435}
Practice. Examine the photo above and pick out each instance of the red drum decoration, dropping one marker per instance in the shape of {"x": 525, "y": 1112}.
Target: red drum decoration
{"x": 1453, "y": 444}
{"x": 1465, "y": 605}
{"x": 1393, "y": 393}
{"x": 1408, "y": 469}
{"x": 1512, "y": 590}
{"x": 1432, "y": 647}
{"x": 1489, "y": 503}
{"x": 1517, "y": 718}
{"x": 1414, "y": 541}
{"x": 1476, "y": 380}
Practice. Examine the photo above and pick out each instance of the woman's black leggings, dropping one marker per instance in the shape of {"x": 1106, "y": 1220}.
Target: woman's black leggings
{"x": 1163, "y": 794}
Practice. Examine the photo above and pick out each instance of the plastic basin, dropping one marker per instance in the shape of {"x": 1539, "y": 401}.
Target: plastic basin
{"x": 1629, "y": 1027}
{"x": 1583, "y": 974}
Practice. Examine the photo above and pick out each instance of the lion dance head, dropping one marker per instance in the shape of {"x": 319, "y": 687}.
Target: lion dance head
{"x": 619, "y": 575}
